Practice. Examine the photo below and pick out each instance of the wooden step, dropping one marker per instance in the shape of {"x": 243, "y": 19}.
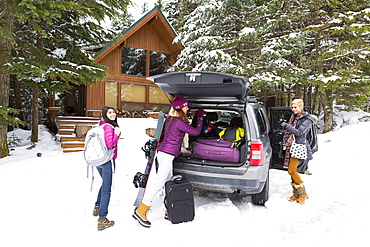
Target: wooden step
{"x": 66, "y": 132}
{"x": 75, "y": 122}
{"x": 71, "y": 139}
{"x": 70, "y": 150}
{"x": 76, "y": 118}
{"x": 73, "y": 144}
{"x": 66, "y": 126}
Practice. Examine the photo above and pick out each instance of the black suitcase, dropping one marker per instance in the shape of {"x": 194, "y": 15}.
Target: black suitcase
{"x": 179, "y": 200}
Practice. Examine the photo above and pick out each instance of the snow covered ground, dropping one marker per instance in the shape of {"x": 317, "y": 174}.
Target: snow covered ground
{"x": 46, "y": 201}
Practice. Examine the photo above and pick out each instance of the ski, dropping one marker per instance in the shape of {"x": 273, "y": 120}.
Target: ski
{"x": 150, "y": 149}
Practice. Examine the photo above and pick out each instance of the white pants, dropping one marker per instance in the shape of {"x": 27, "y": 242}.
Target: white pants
{"x": 156, "y": 179}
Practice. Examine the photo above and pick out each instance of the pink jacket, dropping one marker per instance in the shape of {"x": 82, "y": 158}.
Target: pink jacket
{"x": 111, "y": 140}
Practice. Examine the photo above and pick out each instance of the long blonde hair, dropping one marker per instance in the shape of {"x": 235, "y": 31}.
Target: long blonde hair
{"x": 178, "y": 113}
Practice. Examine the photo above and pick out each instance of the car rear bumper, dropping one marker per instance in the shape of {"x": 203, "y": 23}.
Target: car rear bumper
{"x": 245, "y": 181}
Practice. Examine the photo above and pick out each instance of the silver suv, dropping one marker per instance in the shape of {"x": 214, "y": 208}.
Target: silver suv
{"x": 226, "y": 103}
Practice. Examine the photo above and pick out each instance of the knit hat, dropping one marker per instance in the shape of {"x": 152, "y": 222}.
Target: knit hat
{"x": 179, "y": 102}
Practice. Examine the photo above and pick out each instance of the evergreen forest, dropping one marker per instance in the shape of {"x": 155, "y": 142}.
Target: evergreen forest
{"x": 318, "y": 50}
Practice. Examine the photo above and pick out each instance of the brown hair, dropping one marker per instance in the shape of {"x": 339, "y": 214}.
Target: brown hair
{"x": 106, "y": 119}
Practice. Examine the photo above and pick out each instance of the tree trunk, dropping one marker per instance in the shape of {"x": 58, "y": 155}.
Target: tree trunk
{"x": 6, "y": 22}
{"x": 327, "y": 106}
{"x": 17, "y": 98}
{"x": 316, "y": 103}
{"x": 35, "y": 115}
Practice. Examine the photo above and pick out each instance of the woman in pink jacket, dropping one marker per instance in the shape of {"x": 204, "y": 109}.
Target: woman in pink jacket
{"x": 111, "y": 136}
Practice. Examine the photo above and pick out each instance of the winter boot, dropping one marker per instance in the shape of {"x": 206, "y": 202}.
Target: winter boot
{"x": 307, "y": 172}
{"x": 295, "y": 195}
{"x": 302, "y": 193}
{"x": 96, "y": 211}
{"x": 140, "y": 215}
{"x": 166, "y": 215}
{"x": 104, "y": 223}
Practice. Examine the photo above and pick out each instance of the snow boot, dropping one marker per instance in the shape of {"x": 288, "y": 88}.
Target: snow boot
{"x": 302, "y": 193}
{"x": 140, "y": 215}
{"x": 96, "y": 211}
{"x": 307, "y": 172}
{"x": 295, "y": 195}
{"x": 104, "y": 223}
{"x": 166, "y": 215}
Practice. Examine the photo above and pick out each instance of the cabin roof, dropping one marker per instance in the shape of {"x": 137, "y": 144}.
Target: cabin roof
{"x": 161, "y": 23}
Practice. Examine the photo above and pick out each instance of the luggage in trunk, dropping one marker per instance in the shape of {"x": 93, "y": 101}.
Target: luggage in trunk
{"x": 179, "y": 200}
{"x": 216, "y": 149}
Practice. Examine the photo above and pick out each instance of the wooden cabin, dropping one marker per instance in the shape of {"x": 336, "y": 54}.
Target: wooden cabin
{"x": 145, "y": 49}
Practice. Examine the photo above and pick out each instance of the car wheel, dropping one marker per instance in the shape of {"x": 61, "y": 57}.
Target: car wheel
{"x": 262, "y": 197}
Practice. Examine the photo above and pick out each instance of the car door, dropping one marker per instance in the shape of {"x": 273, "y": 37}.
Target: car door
{"x": 277, "y": 133}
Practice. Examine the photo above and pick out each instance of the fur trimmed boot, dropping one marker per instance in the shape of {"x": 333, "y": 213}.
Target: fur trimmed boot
{"x": 295, "y": 195}
{"x": 302, "y": 193}
{"x": 140, "y": 215}
{"x": 104, "y": 223}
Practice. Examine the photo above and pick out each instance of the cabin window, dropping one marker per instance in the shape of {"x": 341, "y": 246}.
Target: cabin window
{"x": 132, "y": 92}
{"x": 158, "y": 100}
{"x": 157, "y": 96}
{"x": 159, "y": 63}
{"x": 111, "y": 93}
{"x": 133, "y": 61}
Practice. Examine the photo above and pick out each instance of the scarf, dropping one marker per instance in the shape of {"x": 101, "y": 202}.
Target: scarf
{"x": 288, "y": 137}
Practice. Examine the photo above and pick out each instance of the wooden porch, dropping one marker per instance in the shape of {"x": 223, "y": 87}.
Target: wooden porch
{"x": 72, "y": 130}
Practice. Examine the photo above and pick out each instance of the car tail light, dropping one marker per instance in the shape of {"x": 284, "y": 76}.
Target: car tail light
{"x": 256, "y": 154}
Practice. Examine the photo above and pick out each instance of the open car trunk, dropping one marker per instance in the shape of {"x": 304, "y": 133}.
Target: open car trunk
{"x": 223, "y": 98}
{"x": 221, "y": 142}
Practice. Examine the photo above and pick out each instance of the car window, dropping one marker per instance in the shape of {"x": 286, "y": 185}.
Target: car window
{"x": 280, "y": 115}
{"x": 260, "y": 121}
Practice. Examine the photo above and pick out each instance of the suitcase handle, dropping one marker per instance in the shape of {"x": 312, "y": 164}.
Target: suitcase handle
{"x": 177, "y": 178}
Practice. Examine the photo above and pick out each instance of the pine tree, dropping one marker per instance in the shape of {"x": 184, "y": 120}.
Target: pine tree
{"x": 48, "y": 38}
{"x": 6, "y": 31}
{"x": 208, "y": 33}
{"x": 303, "y": 46}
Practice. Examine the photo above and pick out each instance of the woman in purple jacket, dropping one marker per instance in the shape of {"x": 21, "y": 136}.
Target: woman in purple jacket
{"x": 111, "y": 137}
{"x": 175, "y": 128}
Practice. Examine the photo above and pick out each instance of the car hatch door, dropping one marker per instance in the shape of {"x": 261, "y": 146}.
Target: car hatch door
{"x": 204, "y": 86}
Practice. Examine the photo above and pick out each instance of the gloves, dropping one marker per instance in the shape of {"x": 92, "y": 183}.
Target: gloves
{"x": 283, "y": 125}
{"x": 117, "y": 131}
{"x": 200, "y": 114}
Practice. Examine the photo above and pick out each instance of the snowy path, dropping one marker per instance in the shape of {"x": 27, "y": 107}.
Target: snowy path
{"x": 46, "y": 201}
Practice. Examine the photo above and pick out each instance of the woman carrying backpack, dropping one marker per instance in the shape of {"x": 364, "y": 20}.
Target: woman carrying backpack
{"x": 175, "y": 128}
{"x": 298, "y": 126}
{"x": 111, "y": 137}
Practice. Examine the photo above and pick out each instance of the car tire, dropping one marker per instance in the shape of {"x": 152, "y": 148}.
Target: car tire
{"x": 261, "y": 198}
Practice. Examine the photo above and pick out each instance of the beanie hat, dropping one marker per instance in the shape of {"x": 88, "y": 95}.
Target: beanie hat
{"x": 179, "y": 102}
